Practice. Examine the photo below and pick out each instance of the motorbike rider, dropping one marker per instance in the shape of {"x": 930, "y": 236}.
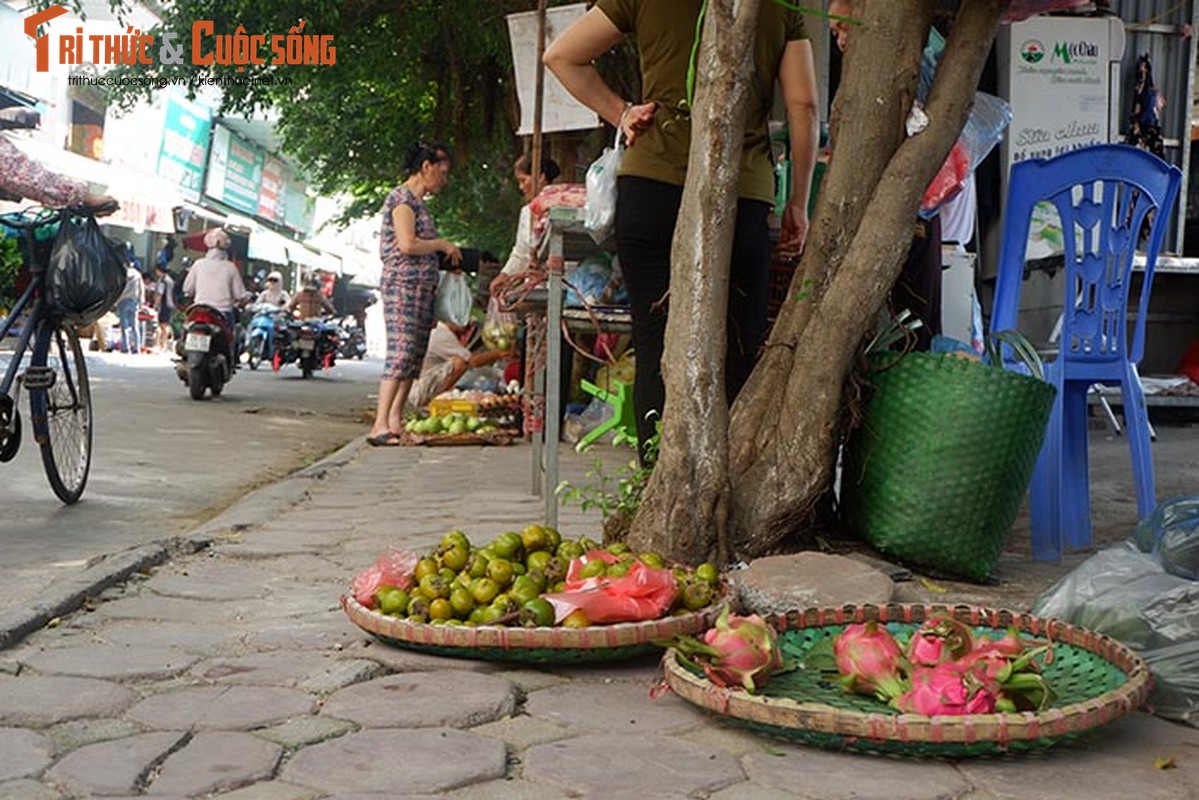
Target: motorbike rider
{"x": 215, "y": 281}
{"x": 310, "y": 302}
{"x": 274, "y": 293}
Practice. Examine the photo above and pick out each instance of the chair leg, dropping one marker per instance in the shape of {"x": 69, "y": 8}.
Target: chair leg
{"x": 1075, "y": 479}
{"x": 1044, "y": 495}
{"x": 1136, "y": 415}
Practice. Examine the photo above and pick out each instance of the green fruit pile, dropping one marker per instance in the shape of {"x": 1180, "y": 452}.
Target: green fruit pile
{"x": 450, "y": 424}
{"x": 504, "y": 582}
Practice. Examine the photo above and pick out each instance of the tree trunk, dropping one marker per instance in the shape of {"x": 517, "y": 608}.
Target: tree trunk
{"x": 684, "y": 512}
{"x": 785, "y": 463}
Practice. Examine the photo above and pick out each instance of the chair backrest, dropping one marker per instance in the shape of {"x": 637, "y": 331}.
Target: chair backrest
{"x": 1105, "y": 195}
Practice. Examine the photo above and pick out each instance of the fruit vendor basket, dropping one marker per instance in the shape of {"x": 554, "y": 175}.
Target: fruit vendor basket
{"x": 531, "y": 645}
{"x": 1095, "y": 679}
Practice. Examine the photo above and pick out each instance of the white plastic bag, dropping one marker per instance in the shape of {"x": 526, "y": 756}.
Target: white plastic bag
{"x": 599, "y": 212}
{"x": 454, "y": 298}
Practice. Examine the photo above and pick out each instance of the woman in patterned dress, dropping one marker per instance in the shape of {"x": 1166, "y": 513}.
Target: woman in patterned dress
{"x": 409, "y": 247}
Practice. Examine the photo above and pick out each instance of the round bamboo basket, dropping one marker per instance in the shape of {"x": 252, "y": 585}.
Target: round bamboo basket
{"x": 1095, "y": 679}
{"x": 532, "y": 645}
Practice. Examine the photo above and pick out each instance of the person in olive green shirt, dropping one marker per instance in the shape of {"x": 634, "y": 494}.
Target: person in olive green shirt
{"x": 650, "y": 180}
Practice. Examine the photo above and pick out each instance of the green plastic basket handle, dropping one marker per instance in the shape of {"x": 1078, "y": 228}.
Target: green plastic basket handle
{"x": 1022, "y": 349}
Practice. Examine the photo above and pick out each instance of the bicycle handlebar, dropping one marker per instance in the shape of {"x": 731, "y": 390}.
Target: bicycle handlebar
{"x": 58, "y": 213}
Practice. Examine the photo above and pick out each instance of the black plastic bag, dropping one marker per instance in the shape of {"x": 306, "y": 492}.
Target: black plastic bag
{"x": 86, "y": 273}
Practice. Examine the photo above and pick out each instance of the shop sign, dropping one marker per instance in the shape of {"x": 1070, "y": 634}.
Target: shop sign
{"x": 184, "y": 150}
{"x": 234, "y": 171}
{"x": 270, "y": 194}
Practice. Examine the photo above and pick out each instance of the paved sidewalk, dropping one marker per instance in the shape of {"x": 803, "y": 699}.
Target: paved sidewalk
{"x": 222, "y": 666}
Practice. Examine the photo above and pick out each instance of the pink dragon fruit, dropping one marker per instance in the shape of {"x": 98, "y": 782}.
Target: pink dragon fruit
{"x": 1010, "y": 645}
{"x": 947, "y": 689}
{"x": 740, "y": 651}
{"x": 940, "y": 639}
{"x": 869, "y": 660}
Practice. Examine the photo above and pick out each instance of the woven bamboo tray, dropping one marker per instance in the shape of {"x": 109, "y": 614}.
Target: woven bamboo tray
{"x": 1096, "y": 679}
{"x": 532, "y": 645}
{"x": 500, "y": 437}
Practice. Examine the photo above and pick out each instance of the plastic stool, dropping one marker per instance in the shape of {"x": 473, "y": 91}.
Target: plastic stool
{"x": 623, "y": 416}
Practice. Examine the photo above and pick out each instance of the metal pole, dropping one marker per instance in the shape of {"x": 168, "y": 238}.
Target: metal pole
{"x": 538, "y": 98}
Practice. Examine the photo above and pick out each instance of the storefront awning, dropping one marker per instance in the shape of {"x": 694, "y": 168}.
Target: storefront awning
{"x": 303, "y": 256}
{"x": 266, "y": 245}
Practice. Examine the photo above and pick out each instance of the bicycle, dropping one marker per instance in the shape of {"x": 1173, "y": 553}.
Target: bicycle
{"x": 60, "y": 400}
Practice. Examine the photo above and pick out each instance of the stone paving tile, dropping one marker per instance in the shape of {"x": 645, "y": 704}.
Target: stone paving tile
{"x": 824, "y": 775}
{"x": 645, "y": 670}
{"x": 304, "y": 568}
{"x": 327, "y": 633}
{"x": 215, "y": 761}
{"x": 397, "y": 659}
{"x": 512, "y": 789}
{"x": 37, "y": 701}
{"x": 195, "y": 637}
{"x": 28, "y": 790}
{"x": 619, "y": 707}
{"x": 274, "y": 668}
{"x": 209, "y": 579}
{"x": 428, "y": 760}
{"x": 524, "y": 731}
{"x": 1071, "y": 773}
{"x": 271, "y": 790}
{"x": 114, "y": 767}
{"x": 111, "y": 661}
{"x": 732, "y": 738}
{"x": 530, "y": 680}
{"x": 23, "y": 754}
{"x": 752, "y": 791}
{"x": 424, "y": 699}
{"x": 340, "y": 674}
{"x": 72, "y": 735}
{"x": 227, "y": 708}
{"x": 303, "y": 731}
{"x": 167, "y": 609}
{"x": 632, "y": 766}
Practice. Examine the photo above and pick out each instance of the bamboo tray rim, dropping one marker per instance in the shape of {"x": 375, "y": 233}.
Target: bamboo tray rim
{"x": 1001, "y": 728}
{"x": 515, "y": 638}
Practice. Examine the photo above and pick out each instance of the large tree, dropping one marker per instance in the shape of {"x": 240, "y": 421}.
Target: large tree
{"x": 741, "y": 484}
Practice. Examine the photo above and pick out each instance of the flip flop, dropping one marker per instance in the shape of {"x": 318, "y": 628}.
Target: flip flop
{"x": 385, "y": 440}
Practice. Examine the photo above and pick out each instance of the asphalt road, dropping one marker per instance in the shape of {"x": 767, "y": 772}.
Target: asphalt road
{"x": 163, "y": 463}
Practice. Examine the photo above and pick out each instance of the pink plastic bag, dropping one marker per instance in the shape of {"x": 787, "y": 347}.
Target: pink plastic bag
{"x": 393, "y": 567}
{"x": 643, "y": 593}
{"x": 948, "y": 179}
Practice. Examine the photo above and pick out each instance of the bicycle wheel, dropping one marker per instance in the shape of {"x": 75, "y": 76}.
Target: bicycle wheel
{"x": 60, "y": 405}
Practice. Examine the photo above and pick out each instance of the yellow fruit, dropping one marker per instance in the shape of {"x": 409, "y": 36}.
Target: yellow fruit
{"x": 500, "y": 570}
{"x": 707, "y": 573}
{"x": 455, "y": 558}
{"x": 538, "y": 559}
{"x": 652, "y": 560}
{"x": 593, "y": 569}
{"x": 440, "y": 609}
{"x": 426, "y": 566}
{"x": 576, "y": 619}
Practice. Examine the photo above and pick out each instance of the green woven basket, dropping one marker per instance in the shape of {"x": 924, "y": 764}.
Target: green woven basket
{"x": 1095, "y": 679}
{"x": 935, "y": 474}
{"x": 558, "y": 645}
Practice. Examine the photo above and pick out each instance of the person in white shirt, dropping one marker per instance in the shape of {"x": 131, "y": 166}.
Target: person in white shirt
{"x": 274, "y": 293}
{"x": 521, "y": 256}
{"x": 128, "y": 304}
{"x": 446, "y": 361}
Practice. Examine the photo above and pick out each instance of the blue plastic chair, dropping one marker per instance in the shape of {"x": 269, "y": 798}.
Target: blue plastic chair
{"x": 1103, "y": 194}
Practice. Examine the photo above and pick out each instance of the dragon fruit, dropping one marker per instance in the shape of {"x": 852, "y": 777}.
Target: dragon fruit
{"x": 939, "y": 640}
{"x": 947, "y": 689}
{"x": 869, "y": 660}
{"x": 744, "y": 651}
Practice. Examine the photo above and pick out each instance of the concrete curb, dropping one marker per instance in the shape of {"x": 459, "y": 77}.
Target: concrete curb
{"x": 68, "y": 594}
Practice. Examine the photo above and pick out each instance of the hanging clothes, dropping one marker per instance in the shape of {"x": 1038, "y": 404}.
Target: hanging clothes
{"x": 1144, "y": 127}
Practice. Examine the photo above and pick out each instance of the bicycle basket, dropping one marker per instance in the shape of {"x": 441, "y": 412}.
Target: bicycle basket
{"x": 86, "y": 272}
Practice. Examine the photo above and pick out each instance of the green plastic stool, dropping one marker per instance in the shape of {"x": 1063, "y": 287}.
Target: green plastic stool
{"x": 623, "y": 415}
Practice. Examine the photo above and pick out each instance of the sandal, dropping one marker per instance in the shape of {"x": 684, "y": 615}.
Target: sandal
{"x": 388, "y": 439}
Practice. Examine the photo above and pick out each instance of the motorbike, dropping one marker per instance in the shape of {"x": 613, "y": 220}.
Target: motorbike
{"x": 352, "y": 338}
{"x": 260, "y": 333}
{"x": 311, "y": 344}
{"x": 204, "y": 362}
